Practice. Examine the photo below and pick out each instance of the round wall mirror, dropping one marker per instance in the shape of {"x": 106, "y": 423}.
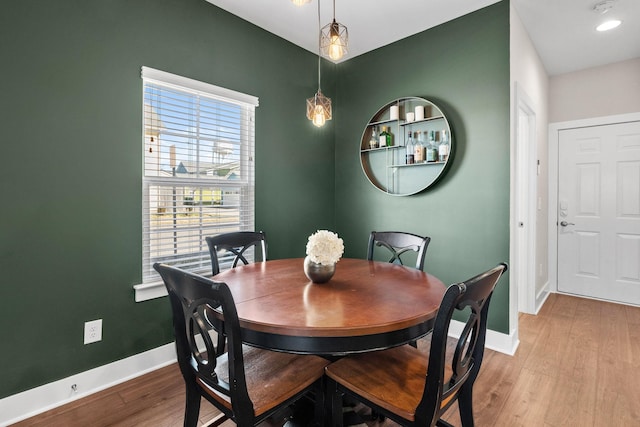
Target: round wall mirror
{"x": 406, "y": 146}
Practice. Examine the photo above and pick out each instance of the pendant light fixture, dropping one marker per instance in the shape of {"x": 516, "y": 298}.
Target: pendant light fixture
{"x": 300, "y": 2}
{"x": 319, "y": 106}
{"x": 334, "y": 38}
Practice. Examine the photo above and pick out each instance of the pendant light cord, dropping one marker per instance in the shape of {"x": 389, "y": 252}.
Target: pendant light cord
{"x": 319, "y": 36}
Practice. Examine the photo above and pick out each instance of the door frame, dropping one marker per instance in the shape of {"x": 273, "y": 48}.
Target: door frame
{"x": 524, "y": 194}
{"x": 554, "y": 138}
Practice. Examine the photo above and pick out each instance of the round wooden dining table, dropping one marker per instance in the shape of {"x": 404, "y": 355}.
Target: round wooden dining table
{"x": 367, "y": 305}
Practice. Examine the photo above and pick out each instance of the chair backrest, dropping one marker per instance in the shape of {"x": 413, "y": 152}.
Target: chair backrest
{"x": 236, "y": 244}
{"x": 398, "y": 243}
{"x": 472, "y": 299}
{"x": 192, "y": 297}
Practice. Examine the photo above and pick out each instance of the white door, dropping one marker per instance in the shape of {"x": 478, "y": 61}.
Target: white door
{"x": 599, "y": 212}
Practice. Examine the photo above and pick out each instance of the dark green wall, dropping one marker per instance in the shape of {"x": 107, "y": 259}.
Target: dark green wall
{"x": 70, "y": 99}
{"x": 71, "y": 108}
{"x": 463, "y": 67}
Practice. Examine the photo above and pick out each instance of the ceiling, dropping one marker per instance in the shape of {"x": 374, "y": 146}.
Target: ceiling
{"x": 563, "y": 31}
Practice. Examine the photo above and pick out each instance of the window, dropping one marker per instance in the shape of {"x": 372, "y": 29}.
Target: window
{"x": 198, "y": 175}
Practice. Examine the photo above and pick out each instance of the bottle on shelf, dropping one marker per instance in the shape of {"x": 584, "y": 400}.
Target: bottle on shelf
{"x": 385, "y": 137}
{"x": 432, "y": 150}
{"x": 443, "y": 148}
{"x": 418, "y": 152}
{"x": 373, "y": 141}
{"x": 410, "y": 146}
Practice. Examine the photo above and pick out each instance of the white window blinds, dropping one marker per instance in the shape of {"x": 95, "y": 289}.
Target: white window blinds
{"x": 198, "y": 175}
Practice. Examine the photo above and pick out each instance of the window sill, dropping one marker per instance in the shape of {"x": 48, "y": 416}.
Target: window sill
{"x": 148, "y": 291}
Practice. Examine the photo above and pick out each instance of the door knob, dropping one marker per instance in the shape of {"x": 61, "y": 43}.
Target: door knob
{"x": 565, "y": 223}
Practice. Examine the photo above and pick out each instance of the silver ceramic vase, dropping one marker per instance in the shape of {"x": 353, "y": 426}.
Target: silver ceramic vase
{"x": 318, "y": 273}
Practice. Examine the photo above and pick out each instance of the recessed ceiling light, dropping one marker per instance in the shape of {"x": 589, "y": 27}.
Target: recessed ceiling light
{"x": 608, "y": 25}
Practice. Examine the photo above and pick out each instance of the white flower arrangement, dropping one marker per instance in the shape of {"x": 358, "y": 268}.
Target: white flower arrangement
{"x": 325, "y": 247}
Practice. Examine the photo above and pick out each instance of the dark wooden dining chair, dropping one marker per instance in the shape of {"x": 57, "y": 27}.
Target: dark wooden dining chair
{"x": 235, "y": 244}
{"x": 246, "y": 384}
{"x": 415, "y": 389}
{"x": 398, "y": 243}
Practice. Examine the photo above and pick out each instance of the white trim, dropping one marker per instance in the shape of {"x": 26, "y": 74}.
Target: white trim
{"x": 40, "y": 399}
{"x": 497, "y": 341}
{"x": 523, "y": 197}
{"x": 147, "y": 291}
{"x": 554, "y": 136}
{"x": 168, "y": 79}
{"x": 542, "y": 296}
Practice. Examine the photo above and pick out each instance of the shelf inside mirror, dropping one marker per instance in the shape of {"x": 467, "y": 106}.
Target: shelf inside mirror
{"x": 404, "y": 165}
{"x": 383, "y": 122}
{"x": 383, "y": 148}
{"x": 415, "y": 122}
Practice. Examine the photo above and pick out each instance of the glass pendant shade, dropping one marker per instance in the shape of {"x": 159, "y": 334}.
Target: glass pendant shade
{"x": 334, "y": 39}
{"x": 300, "y": 2}
{"x": 319, "y": 109}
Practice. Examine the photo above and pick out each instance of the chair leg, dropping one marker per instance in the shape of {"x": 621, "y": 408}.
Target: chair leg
{"x": 192, "y": 407}
{"x": 465, "y": 406}
{"x": 320, "y": 405}
{"x": 333, "y": 403}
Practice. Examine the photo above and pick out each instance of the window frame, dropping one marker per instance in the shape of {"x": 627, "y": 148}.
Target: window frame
{"x": 152, "y": 286}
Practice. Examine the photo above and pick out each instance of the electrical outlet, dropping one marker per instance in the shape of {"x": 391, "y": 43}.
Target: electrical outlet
{"x": 92, "y": 331}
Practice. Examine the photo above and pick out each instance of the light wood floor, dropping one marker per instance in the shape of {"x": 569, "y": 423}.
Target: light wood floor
{"x": 578, "y": 364}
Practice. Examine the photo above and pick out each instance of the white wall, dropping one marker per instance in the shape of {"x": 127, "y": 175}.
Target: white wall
{"x": 595, "y": 92}
{"x": 528, "y": 72}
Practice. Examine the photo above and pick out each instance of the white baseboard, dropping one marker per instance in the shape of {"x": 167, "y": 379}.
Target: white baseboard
{"x": 40, "y": 399}
{"x": 497, "y": 341}
{"x": 542, "y": 297}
